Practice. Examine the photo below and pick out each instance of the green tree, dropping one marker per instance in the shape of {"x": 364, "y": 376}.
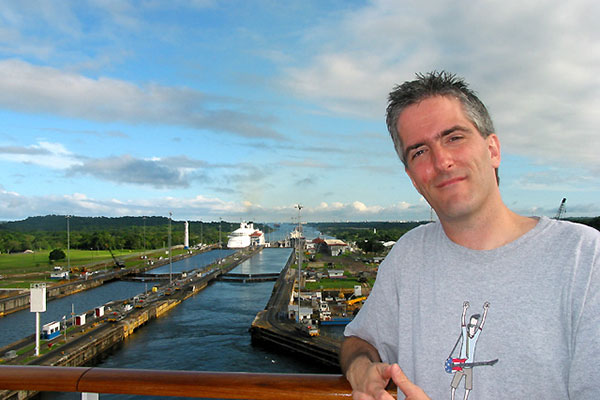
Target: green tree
{"x": 57, "y": 254}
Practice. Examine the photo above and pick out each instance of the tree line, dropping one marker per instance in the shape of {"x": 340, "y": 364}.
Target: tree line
{"x": 370, "y": 235}
{"x": 98, "y": 233}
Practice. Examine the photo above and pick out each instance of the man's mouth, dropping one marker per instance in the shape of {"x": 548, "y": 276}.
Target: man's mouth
{"x": 449, "y": 182}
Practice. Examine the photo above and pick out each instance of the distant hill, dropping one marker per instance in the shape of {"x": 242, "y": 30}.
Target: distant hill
{"x": 54, "y": 223}
{"x": 50, "y": 232}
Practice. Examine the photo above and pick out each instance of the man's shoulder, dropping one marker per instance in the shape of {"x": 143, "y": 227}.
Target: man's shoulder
{"x": 418, "y": 235}
{"x": 422, "y": 231}
{"x": 564, "y": 227}
{"x": 563, "y": 235}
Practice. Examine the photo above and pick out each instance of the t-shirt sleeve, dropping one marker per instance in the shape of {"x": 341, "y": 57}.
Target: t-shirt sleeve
{"x": 584, "y": 374}
{"x": 377, "y": 321}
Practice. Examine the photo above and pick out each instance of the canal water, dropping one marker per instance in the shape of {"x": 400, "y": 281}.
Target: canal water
{"x": 208, "y": 332}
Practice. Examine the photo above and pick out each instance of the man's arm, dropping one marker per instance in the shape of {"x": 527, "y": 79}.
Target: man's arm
{"x": 355, "y": 347}
{"x": 486, "y": 306}
{"x": 368, "y": 376}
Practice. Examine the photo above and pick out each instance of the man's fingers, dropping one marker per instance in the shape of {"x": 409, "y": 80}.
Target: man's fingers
{"x": 410, "y": 390}
{"x": 374, "y": 389}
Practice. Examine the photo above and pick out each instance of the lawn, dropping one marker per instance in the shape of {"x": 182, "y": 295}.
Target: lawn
{"x": 21, "y": 263}
{"x": 21, "y": 269}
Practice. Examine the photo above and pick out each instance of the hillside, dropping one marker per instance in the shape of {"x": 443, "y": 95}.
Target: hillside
{"x": 85, "y": 233}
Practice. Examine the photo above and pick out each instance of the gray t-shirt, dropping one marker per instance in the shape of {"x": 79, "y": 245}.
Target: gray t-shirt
{"x": 543, "y": 322}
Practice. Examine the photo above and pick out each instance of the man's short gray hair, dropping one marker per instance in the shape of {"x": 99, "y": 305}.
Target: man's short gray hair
{"x": 429, "y": 85}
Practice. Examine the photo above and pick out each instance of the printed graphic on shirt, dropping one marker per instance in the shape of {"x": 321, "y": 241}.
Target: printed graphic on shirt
{"x": 462, "y": 366}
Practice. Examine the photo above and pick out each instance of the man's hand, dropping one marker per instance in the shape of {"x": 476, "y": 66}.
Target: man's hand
{"x": 410, "y": 390}
{"x": 369, "y": 377}
{"x": 369, "y": 381}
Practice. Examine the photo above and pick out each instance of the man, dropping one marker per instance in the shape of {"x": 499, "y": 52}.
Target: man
{"x": 541, "y": 275}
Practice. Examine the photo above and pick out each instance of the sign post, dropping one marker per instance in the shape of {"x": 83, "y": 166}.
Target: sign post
{"x": 37, "y": 304}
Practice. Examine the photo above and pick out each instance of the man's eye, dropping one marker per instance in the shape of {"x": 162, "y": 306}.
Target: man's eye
{"x": 455, "y": 138}
{"x": 417, "y": 153}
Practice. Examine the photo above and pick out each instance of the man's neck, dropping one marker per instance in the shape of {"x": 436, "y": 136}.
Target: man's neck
{"x": 488, "y": 230}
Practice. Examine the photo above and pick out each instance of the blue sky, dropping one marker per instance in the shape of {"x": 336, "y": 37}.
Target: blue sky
{"x": 241, "y": 109}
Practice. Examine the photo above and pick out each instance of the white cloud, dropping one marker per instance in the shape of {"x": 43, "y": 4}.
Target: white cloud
{"x": 533, "y": 63}
{"x": 45, "y": 154}
{"x": 32, "y": 89}
{"x": 15, "y": 206}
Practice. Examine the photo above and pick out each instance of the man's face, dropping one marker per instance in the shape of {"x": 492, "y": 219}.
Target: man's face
{"x": 472, "y": 327}
{"x": 448, "y": 161}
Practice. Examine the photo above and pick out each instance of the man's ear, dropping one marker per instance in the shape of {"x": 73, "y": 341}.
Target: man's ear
{"x": 494, "y": 148}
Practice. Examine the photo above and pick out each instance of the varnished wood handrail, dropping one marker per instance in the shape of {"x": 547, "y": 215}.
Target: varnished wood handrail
{"x": 224, "y": 385}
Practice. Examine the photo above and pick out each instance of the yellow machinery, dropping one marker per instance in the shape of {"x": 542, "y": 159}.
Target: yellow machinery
{"x": 356, "y": 300}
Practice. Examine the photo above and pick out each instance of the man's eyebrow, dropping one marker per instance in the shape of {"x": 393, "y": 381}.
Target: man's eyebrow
{"x": 455, "y": 128}
{"x": 443, "y": 133}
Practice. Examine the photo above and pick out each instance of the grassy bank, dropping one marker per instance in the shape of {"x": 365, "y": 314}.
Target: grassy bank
{"x": 20, "y": 270}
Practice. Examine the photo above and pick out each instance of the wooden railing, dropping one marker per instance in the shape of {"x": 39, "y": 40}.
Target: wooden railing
{"x": 223, "y": 385}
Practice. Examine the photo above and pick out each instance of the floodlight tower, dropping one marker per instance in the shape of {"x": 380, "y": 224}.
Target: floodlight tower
{"x": 68, "y": 244}
{"x": 144, "y": 253}
{"x": 299, "y": 258}
{"x": 170, "y": 252}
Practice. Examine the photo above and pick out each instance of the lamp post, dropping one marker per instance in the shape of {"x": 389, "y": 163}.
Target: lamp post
{"x": 144, "y": 235}
{"x": 299, "y": 249}
{"x": 68, "y": 244}
{"x": 170, "y": 253}
{"x": 220, "y": 219}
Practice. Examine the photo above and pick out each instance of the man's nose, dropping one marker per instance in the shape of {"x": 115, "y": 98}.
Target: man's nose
{"x": 442, "y": 158}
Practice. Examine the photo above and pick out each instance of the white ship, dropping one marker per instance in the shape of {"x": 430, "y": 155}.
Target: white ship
{"x": 244, "y": 236}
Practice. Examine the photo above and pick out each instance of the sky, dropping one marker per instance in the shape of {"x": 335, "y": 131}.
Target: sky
{"x": 242, "y": 110}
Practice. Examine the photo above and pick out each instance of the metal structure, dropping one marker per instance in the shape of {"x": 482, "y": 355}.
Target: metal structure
{"x": 68, "y": 217}
{"x": 562, "y": 209}
{"x": 37, "y": 304}
{"x": 299, "y": 259}
{"x": 118, "y": 263}
{"x": 170, "y": 251}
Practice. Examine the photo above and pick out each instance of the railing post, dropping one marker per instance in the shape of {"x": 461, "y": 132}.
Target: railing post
{"x": 89, "y": 396}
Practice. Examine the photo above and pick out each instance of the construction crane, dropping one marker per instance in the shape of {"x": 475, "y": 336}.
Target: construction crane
{"x": 118, "y": 263}
{"x": 562, "y": 209}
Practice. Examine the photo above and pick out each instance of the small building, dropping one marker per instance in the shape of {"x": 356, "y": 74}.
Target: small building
{"x": 256, "y": 238}
{"x": 335, "y": 273}
{"x": 99, "y": 311}
{"x": 305, "y": 312}
{"x": 80, "y": 320}
{"x": 333, "y": 247}
{"x": 59, "y": 275}
{"x": 357, "y": 290}
{"x": 51, "y": 330}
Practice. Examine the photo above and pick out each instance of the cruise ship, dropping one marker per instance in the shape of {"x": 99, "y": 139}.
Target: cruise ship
{"x": 244, "y": 236}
